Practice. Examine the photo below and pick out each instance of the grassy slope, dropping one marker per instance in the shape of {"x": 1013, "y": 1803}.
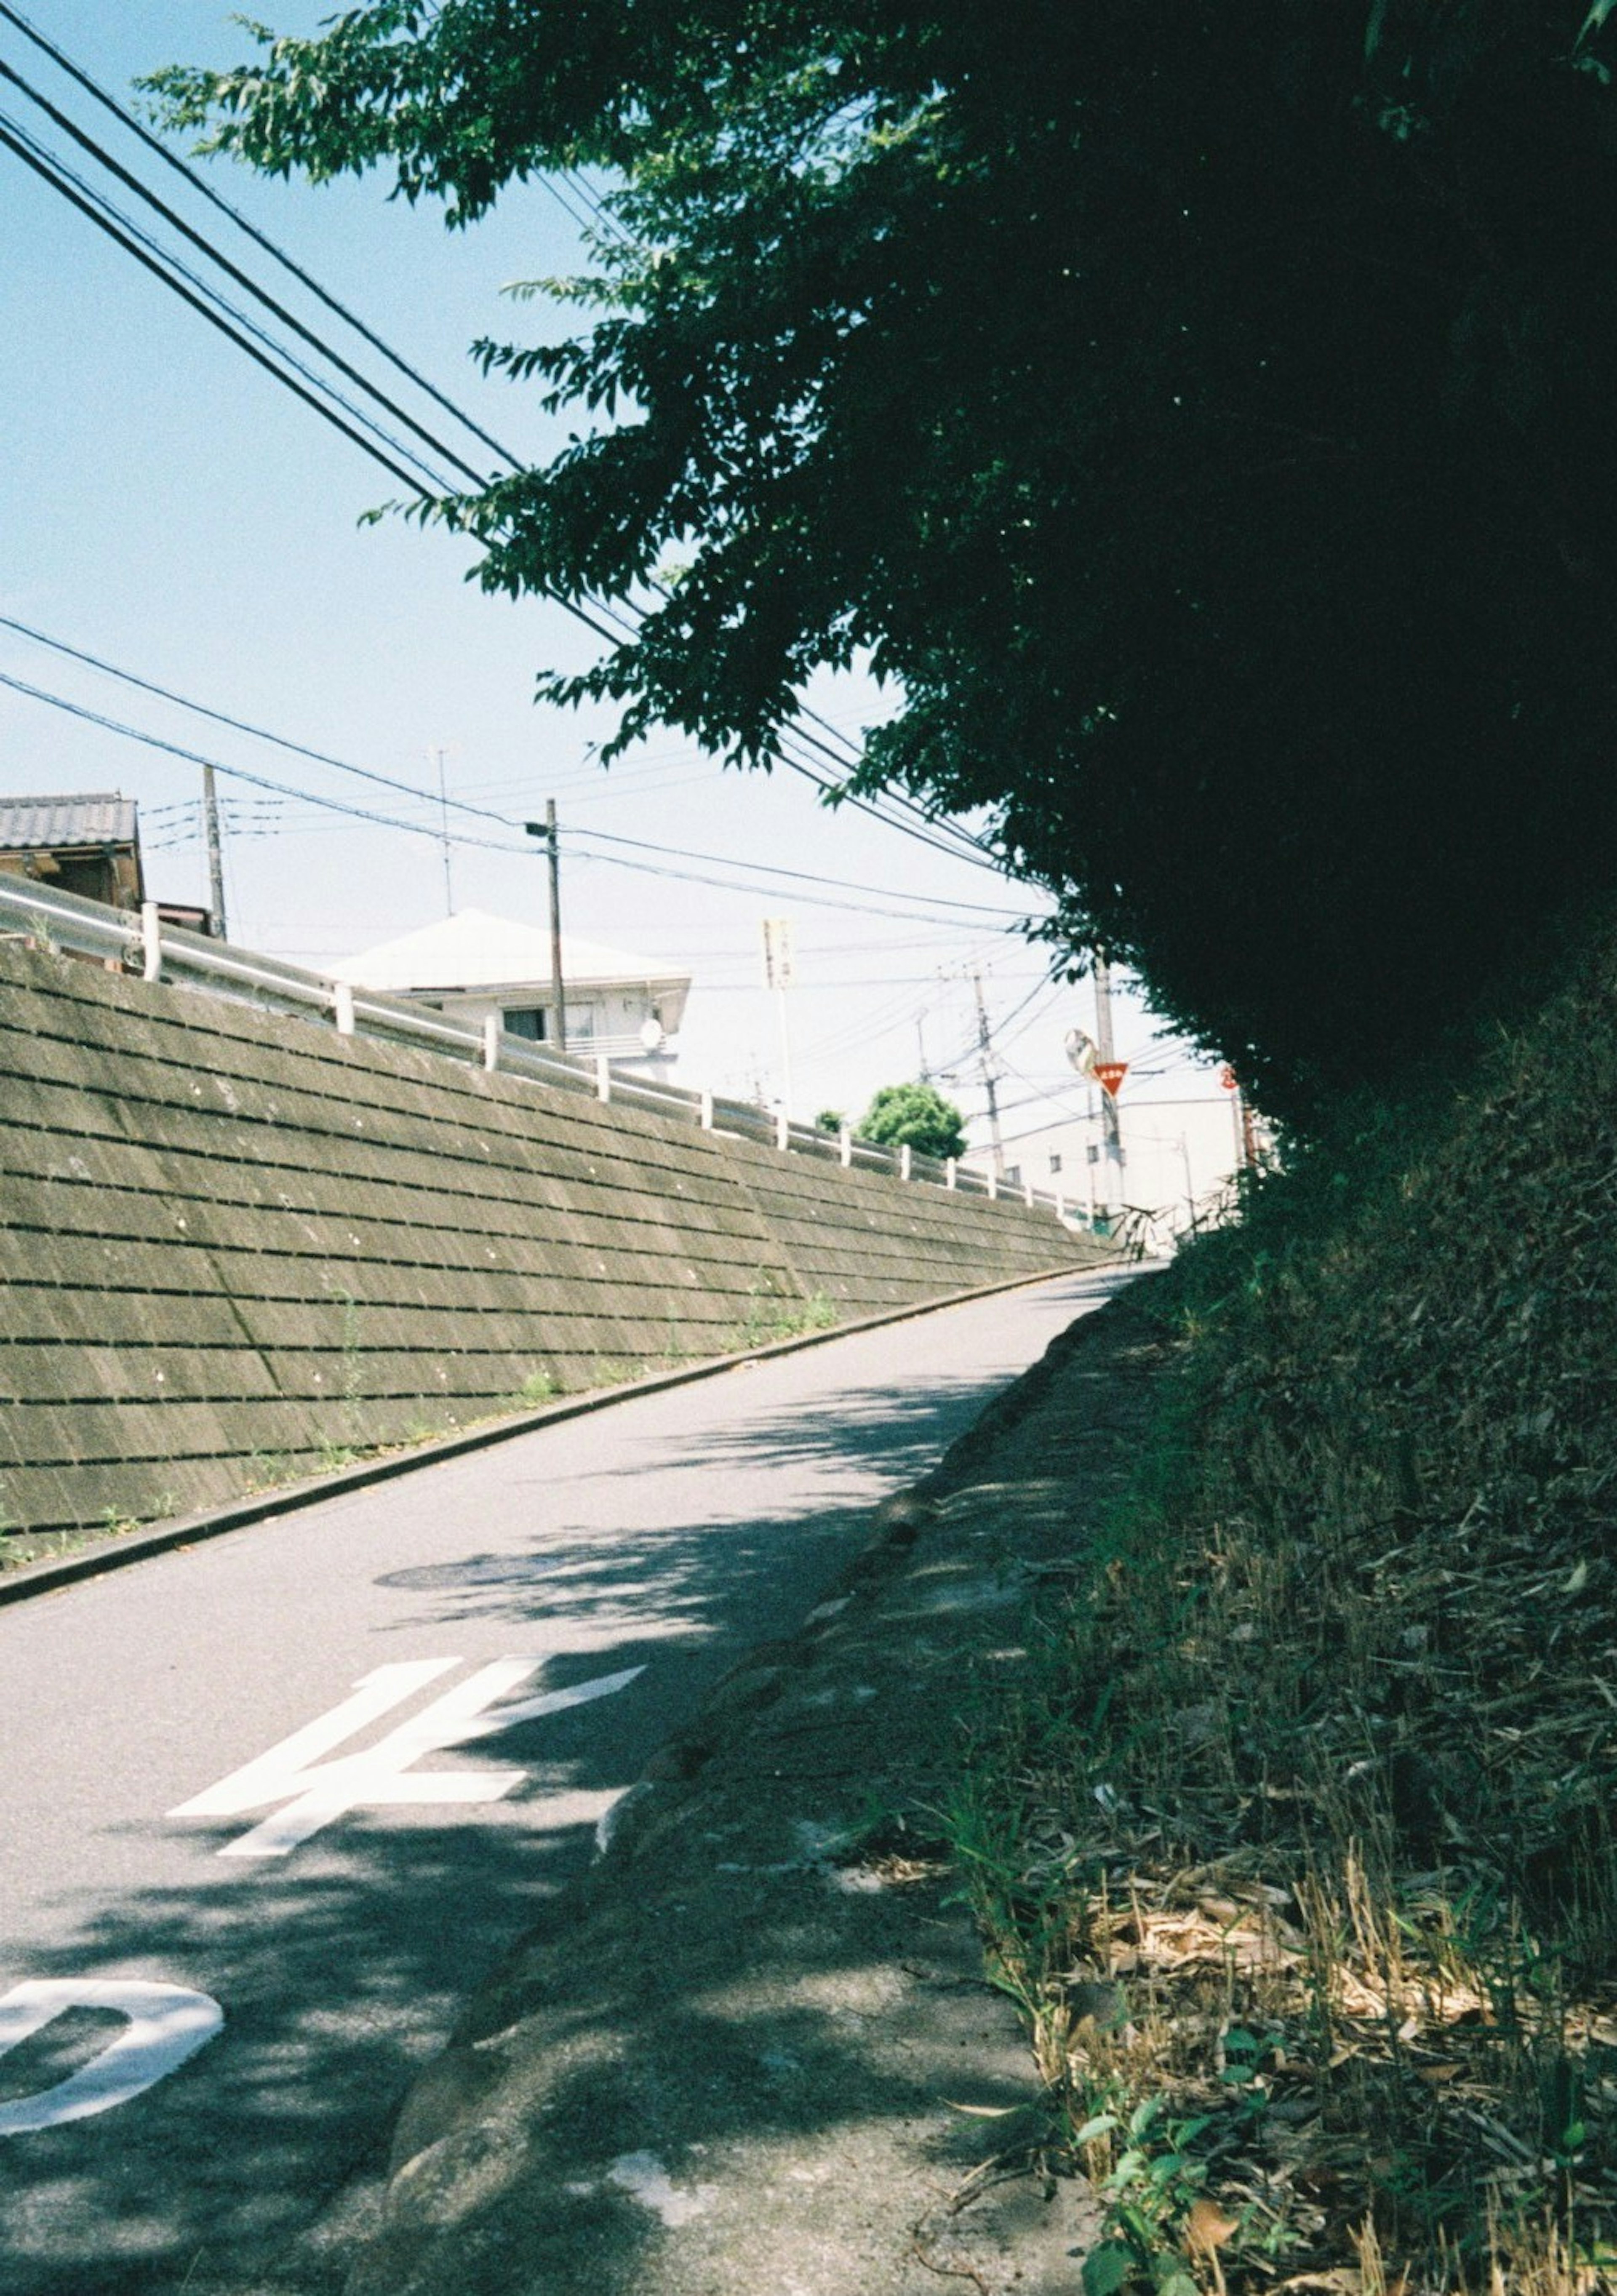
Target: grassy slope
{"x": 1301, "y": 1854}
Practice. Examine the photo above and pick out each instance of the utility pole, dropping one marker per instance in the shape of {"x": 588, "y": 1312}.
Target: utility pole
{"x": 1237, "y": 1109}
{"x": 777, "y": 975}
{"x": 216, "y": 855}
{"x": 926, "y": 1074}
{"x": 547, "y": 829}
{"x": 1105, "y": 1046}
{"x": 985, "y": 1049}
{"x": 443, "y": 822}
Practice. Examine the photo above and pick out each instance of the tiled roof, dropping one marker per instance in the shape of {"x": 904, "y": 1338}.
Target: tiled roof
{"x": 48, "y": 824}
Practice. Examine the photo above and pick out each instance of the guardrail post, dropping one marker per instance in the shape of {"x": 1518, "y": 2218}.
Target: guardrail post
{"x": 1061, "y": 1205}
{"x": 993, "y": 1185}
{"x": 844, "y": 1146}
{"x": 1028, "y": 1194}
{"x": 904, "y": 1160}
{"x": 707, "y": 1111}
{"x": 152, "y": 940}
{"x": 604, "y": 1076}
{"x": 949, "y": 1168}
{"x": 342, "y": 998}
{"x": 782, "y": 1130}
{"x": 491, "y": 1041}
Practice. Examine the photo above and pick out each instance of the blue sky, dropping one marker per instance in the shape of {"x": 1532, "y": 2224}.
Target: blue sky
{"x": 166, "y": 506}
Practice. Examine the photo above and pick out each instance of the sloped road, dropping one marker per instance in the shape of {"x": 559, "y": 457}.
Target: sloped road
{"x": 272, "y": 1805}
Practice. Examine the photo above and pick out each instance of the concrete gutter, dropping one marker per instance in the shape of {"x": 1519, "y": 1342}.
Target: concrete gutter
{"x": 114, "y": 1553}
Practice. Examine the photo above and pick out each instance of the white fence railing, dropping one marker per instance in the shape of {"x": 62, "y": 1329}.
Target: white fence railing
{"x": 139, "y": 941}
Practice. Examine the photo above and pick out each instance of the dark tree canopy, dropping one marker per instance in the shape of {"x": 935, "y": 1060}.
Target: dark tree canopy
{"x": 915, "y": 1116}
{"x": 1202, "y": 412}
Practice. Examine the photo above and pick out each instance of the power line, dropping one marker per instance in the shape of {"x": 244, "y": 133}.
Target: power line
{"x": 903, "y": 909}
{"x": 18, "y": 141}
{"x": 135, "y": 242}
{"x": 942, "y": 836}
{"x": 429, "y": 798}
{"x": 779, "y": 869}
{"x": 234, "y": 271}
{"x": 243, "y": 725}
{"x": 205, "y": 190}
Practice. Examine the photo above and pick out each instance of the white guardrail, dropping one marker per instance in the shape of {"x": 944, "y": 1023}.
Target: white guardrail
{"x": 138, "y": 941}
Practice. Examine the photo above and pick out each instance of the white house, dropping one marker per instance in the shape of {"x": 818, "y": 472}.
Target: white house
{"x": 471, "y": 964}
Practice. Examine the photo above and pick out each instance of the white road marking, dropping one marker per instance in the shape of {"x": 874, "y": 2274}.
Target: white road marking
{"x": 315, "y": 1793}
{"x": 167, "y": 2023}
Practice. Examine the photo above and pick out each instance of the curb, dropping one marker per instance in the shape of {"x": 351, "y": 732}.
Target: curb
{"x": 212, "y": 1523}
{"x": 461, "y": 2134}
{"x": 899, "y": 1524}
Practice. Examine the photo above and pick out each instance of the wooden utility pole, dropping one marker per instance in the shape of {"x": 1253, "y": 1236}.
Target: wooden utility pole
{"x": 558, "y": 987}
{"x": 443, "y": 825}
{"x": 547, "y": 829}
{"x": 215, "y": 853}
{"x": 985, "y": 1053}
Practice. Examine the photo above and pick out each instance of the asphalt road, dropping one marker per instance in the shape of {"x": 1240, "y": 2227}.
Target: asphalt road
{"x": 281, "y": 1931}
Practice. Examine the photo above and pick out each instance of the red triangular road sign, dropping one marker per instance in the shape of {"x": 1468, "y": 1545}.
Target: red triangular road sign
{"x": 1110, "y": 1074}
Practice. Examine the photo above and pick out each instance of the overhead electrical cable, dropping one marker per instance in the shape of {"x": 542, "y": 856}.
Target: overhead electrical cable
{"x": 200, "y": 186}
{"x": 942, "y": 834}
{"x": 17, "y": 140}
{"x": 565, "y": 204}
{"x": 242, "y": 279}
{"x": 243, "y": 725}
{"x": 779, "y": 869}
{"x": 437, "y": 800}
{"x": 898, "y": 906}
{"x": 100, "y": 212}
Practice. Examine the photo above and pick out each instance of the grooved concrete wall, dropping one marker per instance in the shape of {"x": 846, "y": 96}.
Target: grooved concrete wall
{"x": 232, "y": 1244}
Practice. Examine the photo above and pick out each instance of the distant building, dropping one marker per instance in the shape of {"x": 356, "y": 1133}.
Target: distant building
{"x": 471, "y": 964}
{"x": 1180, "y": 1158}
{"x": 87, "y": 845}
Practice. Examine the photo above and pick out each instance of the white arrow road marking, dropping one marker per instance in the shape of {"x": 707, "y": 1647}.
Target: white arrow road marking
{"x": 167, "y": 2025}
{"x": 316, "y": 1792}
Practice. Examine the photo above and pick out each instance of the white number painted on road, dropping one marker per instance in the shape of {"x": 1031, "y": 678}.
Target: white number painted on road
{"x": 165, "y": 2025}
{"x": 317, "y": 1791}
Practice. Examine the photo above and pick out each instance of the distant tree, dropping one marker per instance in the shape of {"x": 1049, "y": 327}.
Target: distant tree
{"x": 1201, "y": 415}
{"x": 917, "y": 1116}
{"x": 830, "y": 1119}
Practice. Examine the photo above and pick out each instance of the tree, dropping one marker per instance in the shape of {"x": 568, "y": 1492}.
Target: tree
{"x": 1202, "y": 414}
{"x": 915, "y": 1116}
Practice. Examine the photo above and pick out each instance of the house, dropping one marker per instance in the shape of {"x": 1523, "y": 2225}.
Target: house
{"x": 469, "y": 964}
{"x": 87, "y": 845}
{"x": 1179, "y": 1157}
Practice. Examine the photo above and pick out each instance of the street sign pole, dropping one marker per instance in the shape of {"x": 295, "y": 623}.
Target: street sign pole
{"x": 1111, "y": 1130}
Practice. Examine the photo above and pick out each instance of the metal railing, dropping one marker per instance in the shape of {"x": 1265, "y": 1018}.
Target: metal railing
{"x": 138, "y": 941}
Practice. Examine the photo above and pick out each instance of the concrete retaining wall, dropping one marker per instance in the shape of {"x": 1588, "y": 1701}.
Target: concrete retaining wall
{"x": 234, "y": 1246}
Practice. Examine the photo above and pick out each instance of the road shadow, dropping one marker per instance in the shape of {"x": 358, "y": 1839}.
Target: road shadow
{"x": 343, "y": 1969}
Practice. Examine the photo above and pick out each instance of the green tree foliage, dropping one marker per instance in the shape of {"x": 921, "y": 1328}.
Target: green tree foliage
{"x": 1201, "y": 413}
{"x": 916, "y": 1116}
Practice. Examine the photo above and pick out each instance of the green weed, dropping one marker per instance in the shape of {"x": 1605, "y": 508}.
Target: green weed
{"x": 1316, "y": 1764}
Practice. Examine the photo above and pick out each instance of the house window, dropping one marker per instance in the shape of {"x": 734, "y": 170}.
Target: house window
{"x": 533, "y": 1021}
{"x": 1013, "y": 1176}
{"x": 1055, "y": 1159}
